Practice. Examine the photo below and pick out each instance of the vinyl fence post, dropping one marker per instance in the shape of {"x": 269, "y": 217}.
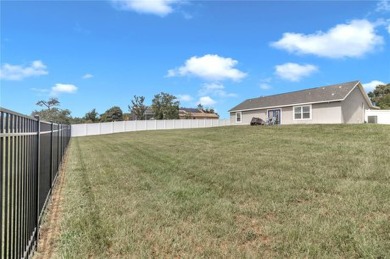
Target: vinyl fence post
{"x": 38, "y": 168}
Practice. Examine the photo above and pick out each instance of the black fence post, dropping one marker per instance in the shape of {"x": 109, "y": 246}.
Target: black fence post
{"x": 38, "y": 168}
{"x": 2, "y": 203}
{"x": 58, "y": 150}
{"x": 51, "y": 155}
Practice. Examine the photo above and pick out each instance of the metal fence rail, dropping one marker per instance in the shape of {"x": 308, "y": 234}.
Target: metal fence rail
{"x": 31, "y": 155}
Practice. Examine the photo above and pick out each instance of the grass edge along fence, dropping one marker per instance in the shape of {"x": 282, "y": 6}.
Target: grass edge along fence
{"x": 90, "y": 129}
{"x": 31, "y": 154}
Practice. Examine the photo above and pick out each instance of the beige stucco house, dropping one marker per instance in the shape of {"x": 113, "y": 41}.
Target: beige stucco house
{"x": 338, "y": 103}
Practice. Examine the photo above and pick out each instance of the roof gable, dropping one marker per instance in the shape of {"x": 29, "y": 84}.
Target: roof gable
{"x": 330, "y": 93}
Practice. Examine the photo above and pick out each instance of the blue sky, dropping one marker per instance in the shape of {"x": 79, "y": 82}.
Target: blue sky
{"x": 97, "y": 54}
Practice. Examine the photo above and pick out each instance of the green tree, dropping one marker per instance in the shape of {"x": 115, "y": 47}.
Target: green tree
{"x": 53, "y": 113}
{"x": 113, "y": 114}
{"x": 52, "y": 102}
{"x": 381, "y": 96}
{"x": 77, "y": 120}
{"x": 384, "y": 103}
{"x": 137, "y": 107}
{"x": 165, "y": 106}
{"x": 91, "y": 116}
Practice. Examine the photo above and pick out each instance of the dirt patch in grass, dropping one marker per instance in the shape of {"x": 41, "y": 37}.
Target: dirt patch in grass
{"x": 50, "y": 228}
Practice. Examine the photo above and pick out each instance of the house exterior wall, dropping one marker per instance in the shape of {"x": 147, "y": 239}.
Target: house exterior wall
{"x": 247, "y": 117}
{"x": 327, "y": 113}
{"x": 321, "y": 113}
{"x": 354, "y": 106}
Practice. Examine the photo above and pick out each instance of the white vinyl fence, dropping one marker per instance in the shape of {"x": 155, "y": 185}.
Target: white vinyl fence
{"x": 89, "y": 129}
{"x": 378, "y": 116}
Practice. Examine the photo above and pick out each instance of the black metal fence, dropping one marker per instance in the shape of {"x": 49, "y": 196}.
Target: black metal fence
{"x": 31, "y": 155}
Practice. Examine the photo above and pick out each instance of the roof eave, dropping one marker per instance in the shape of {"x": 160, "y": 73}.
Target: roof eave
{"x": 285, "y": 105}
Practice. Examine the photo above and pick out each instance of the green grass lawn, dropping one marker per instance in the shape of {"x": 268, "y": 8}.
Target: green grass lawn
{"x": 287, "y": 191}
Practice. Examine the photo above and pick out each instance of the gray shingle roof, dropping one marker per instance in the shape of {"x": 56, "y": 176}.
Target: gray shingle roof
{"x": 193, "y": 110}
{"x": 330, "y": 93}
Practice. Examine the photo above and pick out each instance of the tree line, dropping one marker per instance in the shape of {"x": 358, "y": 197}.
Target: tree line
{"x": 380, "y": 96}
{"x": 164, "y": 107}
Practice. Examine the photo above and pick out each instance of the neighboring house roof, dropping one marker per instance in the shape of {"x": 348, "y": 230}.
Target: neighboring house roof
{"x": 192, "y": 110}
{"x": 205, "y": 115}
{"x": 184, "y": 112}
{"x": 323, "y": 94}
{"x": 197, "y": 113}
{"x": 149, "y": 111}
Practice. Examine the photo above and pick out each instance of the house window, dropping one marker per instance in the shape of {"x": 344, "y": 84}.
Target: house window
{"x": 302, "y": 112}
{"x": 238, "y": 117}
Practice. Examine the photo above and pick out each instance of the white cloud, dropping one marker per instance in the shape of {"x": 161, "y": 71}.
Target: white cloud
{"x": 209, "y": 67}
{"x": 157, "y": 7}
{"x": 294, "y": 72}
{"x": 63, "y": 88}
{"x": 206, "y": 101}
{"x": 87, "y": 76}
{"x": 383, "y": 6}
{"x": 353, "y": 39}
{"x": 213, "y": 86}
{"x": 216, "y": 89}
{"x": 388, "y": 28}
{"x": 371, "y": 85}
{"x": 265, "y": 83}
{"x": 16, "y": 72}
{"x": 265, "y": 86}
{"x": 184, "y": 98}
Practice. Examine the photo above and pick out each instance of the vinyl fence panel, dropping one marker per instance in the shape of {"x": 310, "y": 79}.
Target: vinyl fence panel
{"x": 93, "y": 129}
{"x": 378, "y": 116}
{"x": 106, "y": 128}
{"x": 90, "y": 129}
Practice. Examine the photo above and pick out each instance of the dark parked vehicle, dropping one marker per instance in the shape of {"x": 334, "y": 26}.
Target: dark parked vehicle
{"x": 257, "y": 121}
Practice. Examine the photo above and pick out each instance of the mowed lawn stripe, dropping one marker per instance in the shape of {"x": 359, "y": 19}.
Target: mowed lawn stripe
{"x": 318, "y": 191}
